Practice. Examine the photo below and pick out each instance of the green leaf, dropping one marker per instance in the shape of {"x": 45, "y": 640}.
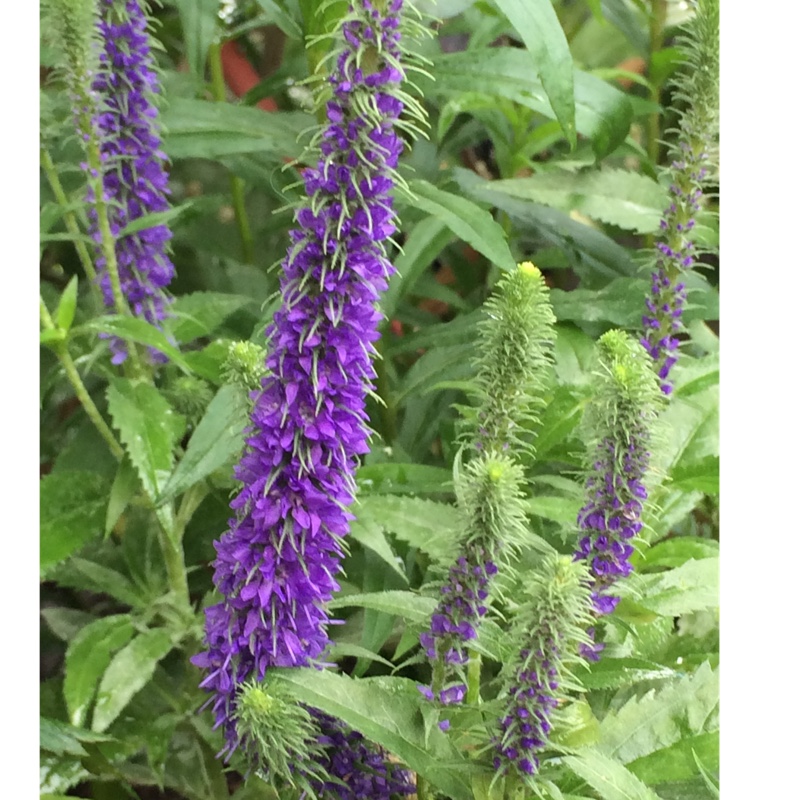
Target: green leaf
{"x": 608, "y": 777}
{"x": 677, "y": 551}
{"x": 389, "y": 712}
{"x": 201, "y": 313}
{"x": 219, "y": 437}
{"x": 148, "y": 428}
{"x": 60, "y": 773}
{"x": 603, "y": 113}
{"x": 370, "y": 535}
{"x": 199, "y": 19}
{"x": 136, "y": 330}
{"x": 693, "y": 586}
{"x": 389, "y": 478}
{"x": 155, "y": 219}
{"x": 678, "y": 762}
{"x": 65, "y": 622}
{"x": 123, "y": 490}
{"x": 701, "y": 476}
{"x": 79, "y": 573}
{"x": 277, "y": 15}
{"x": 426, "y": 240}
{"x": 71, "y": 508}
{"x": 129, "y": 671}
{"x": 434, "y": 367}
{"x": 203, "y": 129}
{"x": 429, "y": 526}
{"x": 88, "y": 656}
{"x": 408, "y": 605}
{"x": 538, "y": 25}
{"x": 563, "y": 510}
{"x": 662, "y": 717}
{"x": 62, "y": 739}
{"x": 611, "y": 673}
{"x": 346, "y": 650}
{"x": 466, "y": 220}
{"x": 629, "y": 200}
{"x": 65, "y": 313}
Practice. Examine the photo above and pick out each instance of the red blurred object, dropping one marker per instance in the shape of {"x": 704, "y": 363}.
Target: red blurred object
{"x": 240, "y": 75}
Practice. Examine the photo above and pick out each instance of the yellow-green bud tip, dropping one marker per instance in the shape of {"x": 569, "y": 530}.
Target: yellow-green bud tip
{"x": 529, "y": 269}
{"x": 257, "y": 701}
{"x": 495, "y": 472}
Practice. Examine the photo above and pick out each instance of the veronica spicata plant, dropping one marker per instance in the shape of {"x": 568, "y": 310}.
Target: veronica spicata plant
{"x": 619, "y": 432}
{"x": 691, "y": 169}
{"x": 514, "y": 355}
{"x": 276, "y": 567}
{"x": 550, "y": 629}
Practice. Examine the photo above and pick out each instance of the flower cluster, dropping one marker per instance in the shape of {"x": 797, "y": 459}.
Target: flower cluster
{"x": 514, "y": 353}
{"x": 355, "y": 769}
{"x": 276, "y": 566}
{"x": 690, "y": 170}
{"x": 551, "y": 626}
{"x": 134, "y": 179}
{"x": 620, "y": 423}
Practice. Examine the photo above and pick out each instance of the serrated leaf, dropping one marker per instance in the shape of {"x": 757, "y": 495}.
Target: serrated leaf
{"x": 629, "y": 200}
{"x": 608, "y": 777}
{"x": 538, "y": 25}
{"x": 155, "y": 219}
{"x": 701, "y": 476}
{"x": 65, "y": 622}
{"x": 429, "y": 526}
{"x": 693, "y": 586}
{"x": 219, "y": 436}
{"x": 389, "y": 712}
{"x": 148, "y": 427}
{"x": 678, "y": 762}
{"x": 60, "y": 773}
{"x": 129, "y": 671}
{"x": 468, "y": 221}
{"x": 347, "y": 650}
{"x": 662, "y": 716}
{"x": 408, "y": 605}
{"x": 611, "y": 673}
{"x": 442, "y": 363}
{"x": 199, "y": 19}
{"x": 60, "y": 738}
{"x": 677, "y": 551}
{"x": 87, "y": 658}
{"x": 201, "y": 313}
{"x": 563, "y": 510}
{"x": 71, "y": 507}
{"x": 202, "y": 129}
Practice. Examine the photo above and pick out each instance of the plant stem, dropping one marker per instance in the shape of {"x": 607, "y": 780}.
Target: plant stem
{"x": 658, "y": 18}
{"x": 172, "y": 550}
{"x": 474, "y": 677}
{"x": 237, "y": 184}
{"x": 81, "y": 393}
{"x": 70, "y": 220}
{"x": 387, "y": 409}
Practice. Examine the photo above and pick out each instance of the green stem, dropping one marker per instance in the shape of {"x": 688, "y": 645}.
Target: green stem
{"x": 81, "y": 393}
{"x": 387, "y": 408}
{"x": 70, "y": 220}
{"x": 237, "y": 184}
{"x": 172, "y": 550}
{"x": 658, "y": 18}
{"x": 474, "y": 677}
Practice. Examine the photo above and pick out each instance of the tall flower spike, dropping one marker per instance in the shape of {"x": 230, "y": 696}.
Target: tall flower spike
{"x": 514, "y": 353}
{"x": 134, "y": 178}
{"x": 691, "y": 168}
{"x": 550, "y": 627}
{"x": 276, "y": 566}
{"x": 619, "y": 425}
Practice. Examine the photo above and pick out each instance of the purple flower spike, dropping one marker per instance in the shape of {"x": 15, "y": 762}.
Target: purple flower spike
{"x": 133, "y": 167}
{"x": 276, "y": 567}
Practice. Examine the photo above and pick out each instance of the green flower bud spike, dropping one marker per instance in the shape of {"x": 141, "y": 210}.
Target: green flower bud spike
{"x": 278, "y": 736}
{"x": 618, "y": 429}
{"x": 514, "y": 358}
{"x": 550, "y": 629}
{"x": 244, "y": 365}
{"x": 514, "y": 355}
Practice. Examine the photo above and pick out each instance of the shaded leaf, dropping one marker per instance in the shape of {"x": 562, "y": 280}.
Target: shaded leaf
{"x": 199, "y": 22}
{"x": 201, "y": 313}
{"x": 219, "y": 437}
{"x": 390, "y": 478}
{"x": 408, "y": 605}
{"x": 608, "y": 777}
